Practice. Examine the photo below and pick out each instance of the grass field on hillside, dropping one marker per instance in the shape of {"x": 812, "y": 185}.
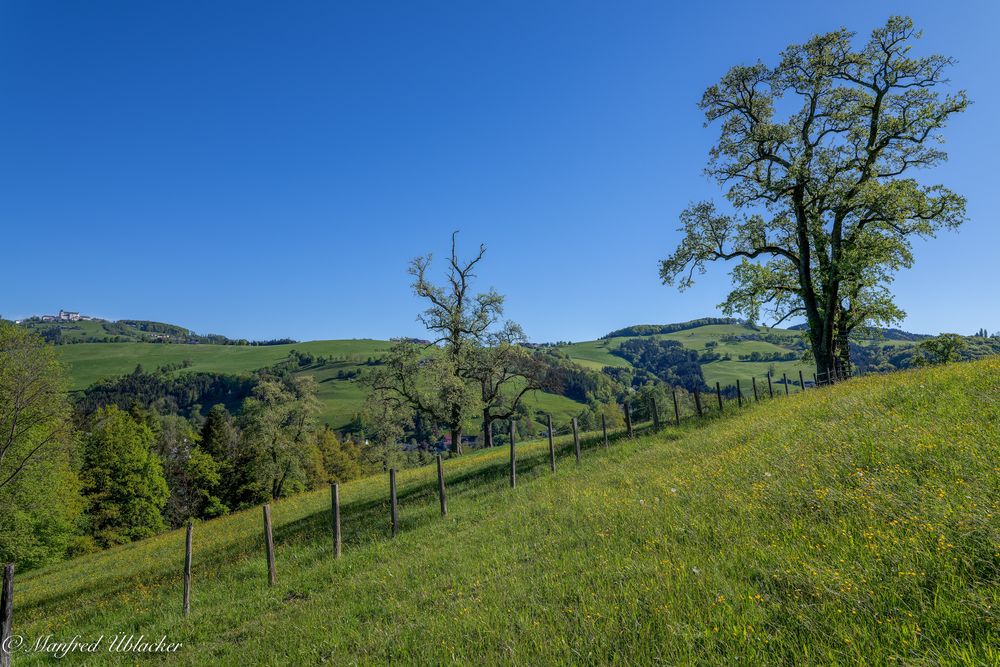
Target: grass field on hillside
{"x": 856, "y": 524}
{"x": 726, "y": 373}
{"x": 73, "y": 331}
{"x": 90, "y": 362}
{"x": 597, "y": 354}
{"x": 340, "y": 399}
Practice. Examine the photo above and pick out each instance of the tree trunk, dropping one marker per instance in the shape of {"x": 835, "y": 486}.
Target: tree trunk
{"x": 456, "y": 440}
{"x": 487, "y": 428}
{"x": 833, "y": 363}
{"x": 825, "y": 358}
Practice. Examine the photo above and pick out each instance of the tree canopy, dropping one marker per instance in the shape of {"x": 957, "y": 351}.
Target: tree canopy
{"x": 816, "y": 156}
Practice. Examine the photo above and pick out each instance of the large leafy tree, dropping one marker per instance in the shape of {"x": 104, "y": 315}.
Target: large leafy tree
{"x": 40, "y": 500}
{"x": 816, "y": 156}
{"x": 34, "y": 410}
{"x": 193, "y": 475}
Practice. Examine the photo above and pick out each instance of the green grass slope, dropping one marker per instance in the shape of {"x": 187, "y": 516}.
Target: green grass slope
{"x": 90, "y": 362}
{"x": 598, "y": 353}
{"x": 340, "y": 399}
{"x": 856, "y": 524}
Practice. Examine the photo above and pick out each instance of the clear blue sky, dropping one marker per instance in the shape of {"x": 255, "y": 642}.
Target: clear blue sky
{"x": 268, "y": 169}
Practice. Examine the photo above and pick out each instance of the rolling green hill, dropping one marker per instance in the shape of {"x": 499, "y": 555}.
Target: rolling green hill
{"x": 341, "y": 397}
{"x": 89, "y": 362}
{"x": 121, "y": 331}
{"x": 597, "y": 354}
{"x": 856, "y": 524}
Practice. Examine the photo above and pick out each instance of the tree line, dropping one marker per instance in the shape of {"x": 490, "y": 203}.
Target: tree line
{"x": 138, "y": 455}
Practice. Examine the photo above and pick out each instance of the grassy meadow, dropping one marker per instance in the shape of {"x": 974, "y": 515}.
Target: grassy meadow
{"x": 855, "y": 524}
{"x": 598, "y": 353}
{"x": 89, "y": 362}
{"x": 340, "y": 399}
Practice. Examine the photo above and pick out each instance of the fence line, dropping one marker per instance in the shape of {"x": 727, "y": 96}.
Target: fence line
{"x": 699, "y": 414}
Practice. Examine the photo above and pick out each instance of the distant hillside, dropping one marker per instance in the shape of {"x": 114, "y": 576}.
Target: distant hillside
{"x": 879, "y": 333}
{"x": 652, "y": 329}
{"x": 95, "y": 330}
{"x": 722, "y": 351}
{"x": 728, "y": 349}
{"x": 336, "y": 365}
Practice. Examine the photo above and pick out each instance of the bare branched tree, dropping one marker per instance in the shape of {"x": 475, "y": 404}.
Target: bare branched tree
{"x": 476, "y": 360}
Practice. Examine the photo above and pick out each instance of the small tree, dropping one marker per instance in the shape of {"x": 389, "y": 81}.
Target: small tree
{"x": 940, "y": 350}
{"x": 123, "y": 479}
{"x": 277, "y": 424}
{"x": 219, "y": 437}
{"x": 412, "y": 383}
{"x": 824, "y": 206}
{"x": 341, "y": 459}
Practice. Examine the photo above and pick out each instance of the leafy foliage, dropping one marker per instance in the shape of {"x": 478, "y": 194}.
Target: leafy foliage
{"x": 666, "y": 360}
{"x": 123, "y": 479}
{"x": 824, "y": 207}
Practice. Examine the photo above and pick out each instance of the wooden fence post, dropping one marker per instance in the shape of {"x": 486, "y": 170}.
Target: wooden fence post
{"x": 604, "y": 427}
{"x": 756, "y": 396}
{"x": 187, "y": 569}
{"x": 739, "y": 393}
{"x": 513, "y": 458}
{"x": 552, "y": 447}
{"x": 6, "y": 614}
{"x": 441, "y": 493}
{"x": 718, "y": 393}
{"x": 697, "y": 402}
{"x": 677, "y": 412}
{"x": 656, "y": 414}
{"x": 770, "y": 387}
{"x": 393, "y": 506}
{"x": 576, "y": 440}
{"x": 628, "y": 419}
{"x": 335, "y": 516}
{"x": 784, "y": 378}
{"x": 815, "y": 382}
{"x": 272, "y": 576}
{"x": 802, "y": 383}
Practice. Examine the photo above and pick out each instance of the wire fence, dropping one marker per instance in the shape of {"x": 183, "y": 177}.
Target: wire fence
{"x": 684, "y": 407}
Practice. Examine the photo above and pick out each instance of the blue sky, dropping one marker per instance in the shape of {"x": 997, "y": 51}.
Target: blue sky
{"x": 268, "y": 169}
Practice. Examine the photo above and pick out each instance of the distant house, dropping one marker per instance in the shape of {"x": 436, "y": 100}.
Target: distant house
{"x": 68, "y": 316}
